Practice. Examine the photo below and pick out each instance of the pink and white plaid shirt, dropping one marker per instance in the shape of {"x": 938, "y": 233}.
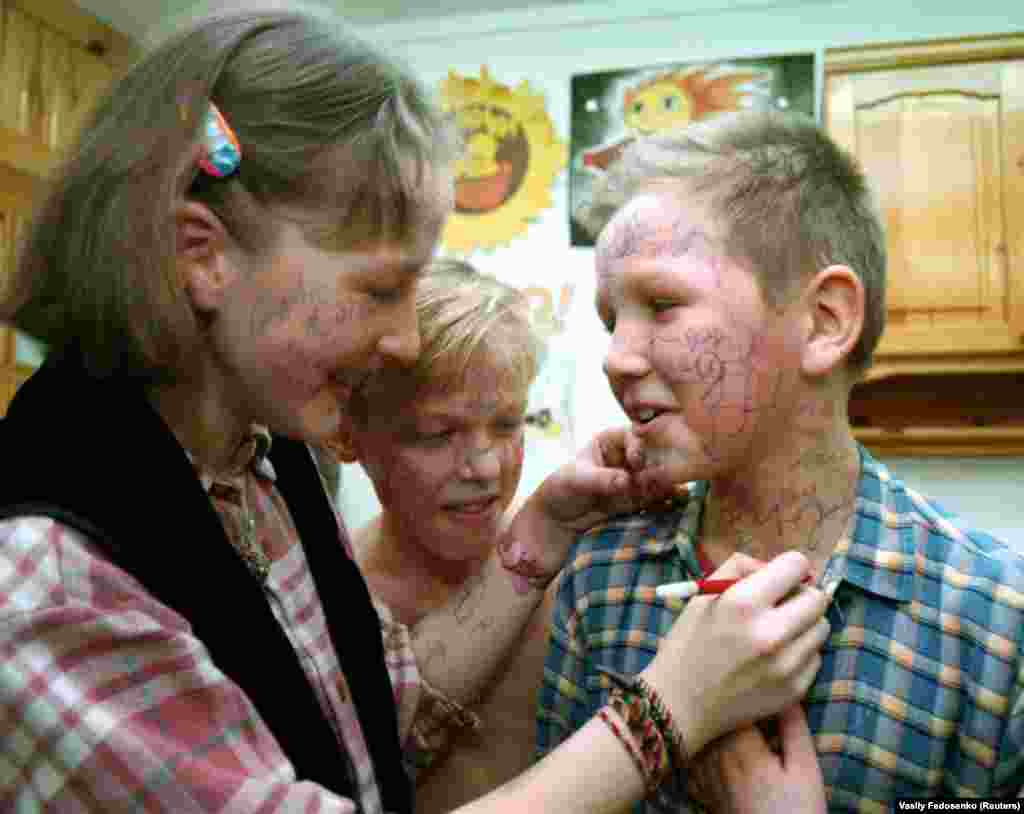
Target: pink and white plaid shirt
{"x": 108, "y": 702}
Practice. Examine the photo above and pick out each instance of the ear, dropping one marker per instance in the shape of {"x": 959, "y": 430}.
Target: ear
{"x": 201, "y": 242}
{"x": 835, "y": 310}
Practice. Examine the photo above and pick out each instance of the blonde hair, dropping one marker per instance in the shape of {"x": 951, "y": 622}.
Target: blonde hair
{"x": 327, "y": 124}
{"x": 787, "y": 199}
{"x": 465, "y": 315}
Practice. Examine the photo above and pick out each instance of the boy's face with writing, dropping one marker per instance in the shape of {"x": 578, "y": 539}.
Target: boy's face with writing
{"x": 446, "y": 461}
{"x": 704, "y": 368}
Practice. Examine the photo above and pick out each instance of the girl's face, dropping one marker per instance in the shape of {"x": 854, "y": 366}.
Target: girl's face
{"x": 446, "y": 463}
{"x": 302, "y": 328}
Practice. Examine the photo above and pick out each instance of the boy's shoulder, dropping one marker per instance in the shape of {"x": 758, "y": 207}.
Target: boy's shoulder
{"x": 945, "y": 542}
{"x": 966, "y": 548}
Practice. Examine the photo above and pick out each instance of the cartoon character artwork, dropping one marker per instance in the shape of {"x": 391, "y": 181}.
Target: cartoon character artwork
{"x": 512, "y": 157}
{"x": 610, "y": 110}
{"x": 674, "y": 99}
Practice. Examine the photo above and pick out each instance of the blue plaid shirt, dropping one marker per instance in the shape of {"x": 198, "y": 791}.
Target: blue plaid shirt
{"x": 920, "y": 688}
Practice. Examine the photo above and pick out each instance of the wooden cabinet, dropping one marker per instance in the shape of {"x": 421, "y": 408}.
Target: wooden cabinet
{"x": 939, "y": 128}
{"x": 55, "y": 60}
{"x": 17, "y": 190}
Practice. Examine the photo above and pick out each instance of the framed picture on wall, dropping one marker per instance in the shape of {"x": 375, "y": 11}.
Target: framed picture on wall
{"x": 612, "y": 108}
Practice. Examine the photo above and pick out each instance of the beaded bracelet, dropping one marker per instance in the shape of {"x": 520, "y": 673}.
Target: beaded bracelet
{"x": 663, "y": 718}
{"x": 635, "y": 710}
{"x": 626, "y": 741}
{"x": 659, "y": 713}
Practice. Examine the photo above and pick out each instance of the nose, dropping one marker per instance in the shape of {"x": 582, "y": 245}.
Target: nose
{"x": 628, "y": 354}
{"x": 401, "y": 341}
{"x": 481, "y": 459}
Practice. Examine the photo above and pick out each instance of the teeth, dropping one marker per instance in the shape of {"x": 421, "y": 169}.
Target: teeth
{"x": 475, "y": 506}
{"x": 646, "y": 415}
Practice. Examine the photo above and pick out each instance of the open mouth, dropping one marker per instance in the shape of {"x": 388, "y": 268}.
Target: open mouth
{"x": 345, "y": 387}
{"x": 472, "y": 507}
{"x": 646, "y": 416}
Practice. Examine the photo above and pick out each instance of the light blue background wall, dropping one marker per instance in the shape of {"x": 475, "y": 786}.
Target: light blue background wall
{"x": 545, "y": 48}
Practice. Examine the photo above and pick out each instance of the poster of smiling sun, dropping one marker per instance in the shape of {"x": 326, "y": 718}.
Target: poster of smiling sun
{"x": 611, "y": 109}
{"x": 511, "y": 159}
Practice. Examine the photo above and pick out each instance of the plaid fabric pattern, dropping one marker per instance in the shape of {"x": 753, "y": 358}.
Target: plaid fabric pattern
{"x": 920, "y": 689}
{"x": 108, "y": 702}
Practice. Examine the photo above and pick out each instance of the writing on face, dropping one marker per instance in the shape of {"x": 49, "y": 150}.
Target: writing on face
{"x": 445, "y": 433}
{"x": 462, "y": 429}
{"x": 446, "y": 463}
{"x": 691, "y": 337}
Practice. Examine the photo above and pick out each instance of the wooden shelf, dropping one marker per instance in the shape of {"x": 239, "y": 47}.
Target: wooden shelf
{"x": 889, "y": 367}
{"x": 966, "y": 413}
{"x": 943, "y": 441}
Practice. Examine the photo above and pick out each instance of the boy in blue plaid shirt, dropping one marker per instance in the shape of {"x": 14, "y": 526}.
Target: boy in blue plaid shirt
{"x": 741, "y": 272}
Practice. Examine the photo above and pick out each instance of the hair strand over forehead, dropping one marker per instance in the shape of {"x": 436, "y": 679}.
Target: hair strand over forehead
{"x": 466, "y": 317}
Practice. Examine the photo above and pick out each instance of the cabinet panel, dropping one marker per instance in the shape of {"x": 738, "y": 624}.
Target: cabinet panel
{"x": 47, "y": 80}
{"x": 1012, "y": 251}
{"x": 11, "y": 223}
{"x": 19, "y": 99}
{"x": 941, "y": 144}
{"x": 55, "y": 60}
{"x": 17, "y": 194}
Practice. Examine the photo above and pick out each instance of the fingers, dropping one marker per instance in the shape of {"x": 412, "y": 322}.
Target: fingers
{"x": 578, "y": 486}
{"x": 804, "y": 654}
{"x": 654, "y": 480}
{"x": 611, "y": 448}
{"x": 796, "y": 667}
{"x": 596, "y": 480}
{"x": 768, "y": 585}
{"x": 803, "y": 612}
{"x": 797, "y": 741}
{"x": 738, "y": 566}
{"x": 634, "y": 452}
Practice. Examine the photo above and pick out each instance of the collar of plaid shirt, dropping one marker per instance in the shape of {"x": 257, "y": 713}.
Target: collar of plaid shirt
{"x": 882, "y": 564}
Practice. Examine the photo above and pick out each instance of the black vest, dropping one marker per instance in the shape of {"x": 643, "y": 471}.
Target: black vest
{"x": 95, "y": 455}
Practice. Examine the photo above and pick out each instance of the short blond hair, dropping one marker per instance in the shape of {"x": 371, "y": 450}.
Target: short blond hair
{"x": 464, "y": 316}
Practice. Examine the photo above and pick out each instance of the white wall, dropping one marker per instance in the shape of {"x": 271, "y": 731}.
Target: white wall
{"x": 986, "y": 492}
{"x": 546, "y": 47}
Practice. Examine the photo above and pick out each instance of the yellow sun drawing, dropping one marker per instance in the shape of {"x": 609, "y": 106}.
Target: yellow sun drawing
{"x": 511, "y": 160}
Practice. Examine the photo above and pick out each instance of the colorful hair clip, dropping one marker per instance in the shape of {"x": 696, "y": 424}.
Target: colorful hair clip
{"x": 221, "y": 152}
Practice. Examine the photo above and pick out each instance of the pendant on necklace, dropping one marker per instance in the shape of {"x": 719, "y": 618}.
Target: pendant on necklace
{"x": 252, "y": 555}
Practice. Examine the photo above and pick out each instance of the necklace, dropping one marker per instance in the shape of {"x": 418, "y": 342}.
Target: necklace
{"x": 246, "y": 545}
{"x": 225, "y": 491}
